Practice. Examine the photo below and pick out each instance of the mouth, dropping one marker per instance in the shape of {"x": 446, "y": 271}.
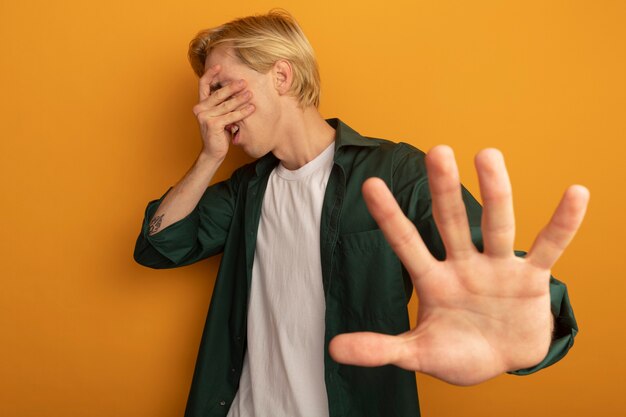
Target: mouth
{"x": 234, "y": 133}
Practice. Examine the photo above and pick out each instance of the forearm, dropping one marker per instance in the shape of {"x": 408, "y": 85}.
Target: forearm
{"x": 185, "y": 195}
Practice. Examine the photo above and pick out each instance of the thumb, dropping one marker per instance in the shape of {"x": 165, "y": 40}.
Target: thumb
{"x": 366, "y": 349}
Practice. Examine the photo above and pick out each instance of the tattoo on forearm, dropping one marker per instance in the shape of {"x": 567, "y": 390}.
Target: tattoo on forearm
{"x": 155, "y": 224}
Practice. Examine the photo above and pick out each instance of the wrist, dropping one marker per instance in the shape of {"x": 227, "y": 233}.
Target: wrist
{"x": 207, "y": 158}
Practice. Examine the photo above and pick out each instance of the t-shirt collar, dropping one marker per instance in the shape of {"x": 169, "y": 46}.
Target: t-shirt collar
{"x": 344, "y": 136}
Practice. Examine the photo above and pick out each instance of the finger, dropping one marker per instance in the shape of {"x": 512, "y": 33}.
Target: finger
{"x": 204, "y": 83}
{"x": 237, "y": 115}
{"x": 498, "y": 221}
{"x": 209, "y": 108}
{"x": 397, "y": 228}
{"x": 448, "y": 207}
{"x": 235, "y": 102}
{"x": 554, "y": 238}
{"x": 366, "y": 349}
{"x": 224, "y": 100}
{"x": 225, "y": 93}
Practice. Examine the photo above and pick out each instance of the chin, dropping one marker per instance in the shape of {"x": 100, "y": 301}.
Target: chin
{"x": 252, "y": 152}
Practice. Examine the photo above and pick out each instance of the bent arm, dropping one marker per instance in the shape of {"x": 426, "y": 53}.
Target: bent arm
{"x": 185, "y": 195}
{"x": 198, "y": 221}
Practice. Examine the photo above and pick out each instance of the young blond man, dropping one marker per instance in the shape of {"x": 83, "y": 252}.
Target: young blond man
{"x": 308, "y": 316}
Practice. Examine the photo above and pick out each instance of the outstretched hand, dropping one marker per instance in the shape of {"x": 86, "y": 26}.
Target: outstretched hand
{"x": 480, "y": 314}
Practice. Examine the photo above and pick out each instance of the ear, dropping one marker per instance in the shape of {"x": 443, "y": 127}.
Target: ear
{"x": 283, "y": 76}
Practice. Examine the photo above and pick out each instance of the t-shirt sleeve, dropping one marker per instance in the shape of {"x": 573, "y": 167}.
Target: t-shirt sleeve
{"x": 200, "y": 234}
{"x": 413, "y": 195}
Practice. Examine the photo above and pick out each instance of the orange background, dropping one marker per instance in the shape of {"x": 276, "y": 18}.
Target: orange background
{"x": 96, "y": 120}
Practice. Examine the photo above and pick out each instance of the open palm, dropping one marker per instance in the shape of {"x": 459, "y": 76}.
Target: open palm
{"x": 480, "y": 314}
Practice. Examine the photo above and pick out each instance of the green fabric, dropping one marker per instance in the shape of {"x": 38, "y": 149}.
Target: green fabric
{"x": 366, "y": 287}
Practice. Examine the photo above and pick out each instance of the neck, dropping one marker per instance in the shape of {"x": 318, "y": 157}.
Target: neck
{"x": 305, "y": 134}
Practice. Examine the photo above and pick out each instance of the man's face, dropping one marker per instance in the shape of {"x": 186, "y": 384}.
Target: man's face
{"x": 256, "y": 133}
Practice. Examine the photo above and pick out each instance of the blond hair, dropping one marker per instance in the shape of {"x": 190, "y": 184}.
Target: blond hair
{"x": 259, "y": 42}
